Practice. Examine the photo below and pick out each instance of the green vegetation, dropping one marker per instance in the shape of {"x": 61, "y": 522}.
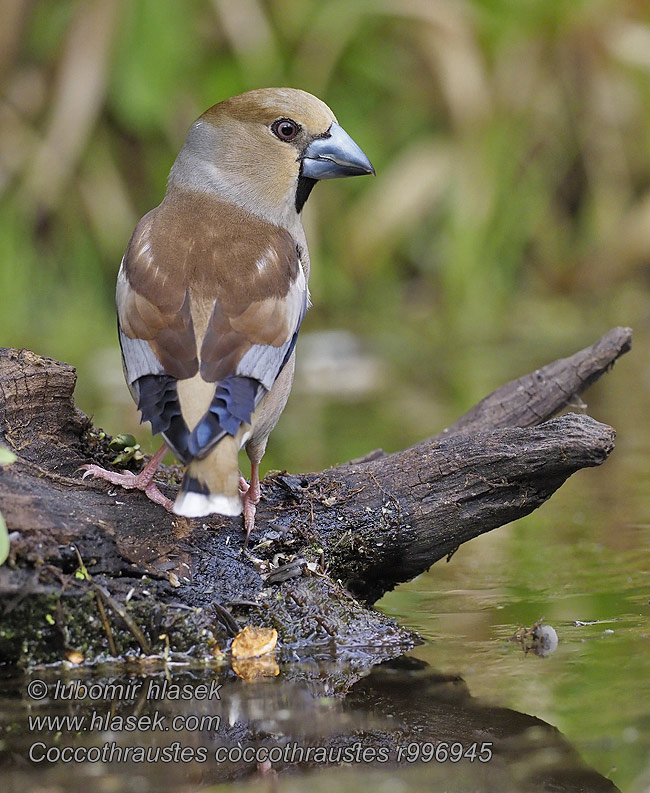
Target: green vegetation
{"x": 6, "y": 458}
{"x": 511, "y": 202}
{"x": 509, "y": 223}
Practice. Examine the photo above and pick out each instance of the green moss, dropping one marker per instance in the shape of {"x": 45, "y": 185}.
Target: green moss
{"x": 28, "y": 638}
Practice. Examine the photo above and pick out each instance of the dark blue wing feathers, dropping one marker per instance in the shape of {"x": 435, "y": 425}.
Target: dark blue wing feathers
{"x": 232, "y": 405}
{"x": 236, "y": 396}
{"x": 234, "y": 401}
{"x": 158, "y": 403}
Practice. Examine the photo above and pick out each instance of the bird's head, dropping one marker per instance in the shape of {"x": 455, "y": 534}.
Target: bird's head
{"x": 266, "y": 149}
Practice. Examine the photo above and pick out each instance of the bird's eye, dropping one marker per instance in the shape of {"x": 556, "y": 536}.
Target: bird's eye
{"x": 285, "y": 129}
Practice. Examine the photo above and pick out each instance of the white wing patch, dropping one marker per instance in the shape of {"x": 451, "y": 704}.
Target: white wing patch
{"x": 267, "y": 258}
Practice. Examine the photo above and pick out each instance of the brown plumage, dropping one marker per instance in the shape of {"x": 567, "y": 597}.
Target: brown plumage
{"x": 213, "y": 287}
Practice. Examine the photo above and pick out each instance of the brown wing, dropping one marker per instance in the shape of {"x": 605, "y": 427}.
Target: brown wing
{"x": 153, "y": 311}
{"x": 195, "y": 255}
{"x": 250, "y": 334}
{"x": 205, "y": 286}
{"x": 250, "y": 337}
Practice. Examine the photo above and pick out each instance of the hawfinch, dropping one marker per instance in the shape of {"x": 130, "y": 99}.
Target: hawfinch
{"x": 213, "y": 288}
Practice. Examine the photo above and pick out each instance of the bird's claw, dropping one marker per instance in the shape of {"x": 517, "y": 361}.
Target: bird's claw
{"x": 126, "y": 480}
{"x": 130, "y": 481}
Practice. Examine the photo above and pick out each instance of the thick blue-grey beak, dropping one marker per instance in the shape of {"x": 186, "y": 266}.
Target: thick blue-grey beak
{"x": 333, "y": 156}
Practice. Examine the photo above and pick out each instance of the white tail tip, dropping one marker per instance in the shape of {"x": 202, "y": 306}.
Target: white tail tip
{"x": 197, "y": 505}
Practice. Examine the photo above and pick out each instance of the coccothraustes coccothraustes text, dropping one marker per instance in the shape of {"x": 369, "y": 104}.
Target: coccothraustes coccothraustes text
{"x": 213, "y": 288}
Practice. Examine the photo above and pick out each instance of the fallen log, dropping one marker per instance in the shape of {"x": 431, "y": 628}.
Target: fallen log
{"x": 94, "y": 570}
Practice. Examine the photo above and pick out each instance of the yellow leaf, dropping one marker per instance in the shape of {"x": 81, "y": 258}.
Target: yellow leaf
{"x": 253, "y": 641}
{"x": 74, "y": 656}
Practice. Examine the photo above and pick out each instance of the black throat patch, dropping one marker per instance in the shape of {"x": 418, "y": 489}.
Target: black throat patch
{"x": 305, "y": 186}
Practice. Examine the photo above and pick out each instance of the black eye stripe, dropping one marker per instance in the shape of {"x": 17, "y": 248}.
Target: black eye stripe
{"x": 285, "y": 129}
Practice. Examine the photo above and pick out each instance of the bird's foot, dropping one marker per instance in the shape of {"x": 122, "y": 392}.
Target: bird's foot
{"x": 142, "y": 481}
{"x": 130, "y": 481}
{"x": 250, "y": 496}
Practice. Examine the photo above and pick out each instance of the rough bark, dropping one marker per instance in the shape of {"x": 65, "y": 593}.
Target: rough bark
{"x": 325, "y": 544}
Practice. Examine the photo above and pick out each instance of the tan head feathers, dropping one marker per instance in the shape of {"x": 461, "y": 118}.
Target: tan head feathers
{"x": 264, "y": 105}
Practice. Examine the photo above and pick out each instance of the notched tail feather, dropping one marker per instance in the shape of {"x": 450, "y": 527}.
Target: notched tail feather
{"x": 195, "y": 501}
{"x": 210, "y": 450}
{"x": 211, "y": 485}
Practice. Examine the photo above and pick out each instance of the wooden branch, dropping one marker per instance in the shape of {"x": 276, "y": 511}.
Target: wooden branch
{"x": 535, "y": 397}
{"x": 360, "y": 528}
{"x": 394, "y": 517}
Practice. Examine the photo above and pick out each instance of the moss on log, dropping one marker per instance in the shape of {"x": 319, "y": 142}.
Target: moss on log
{"x": 101, "y": 572}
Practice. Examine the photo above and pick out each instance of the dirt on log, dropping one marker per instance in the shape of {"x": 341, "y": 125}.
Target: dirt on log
{"x": 105, "y": 572}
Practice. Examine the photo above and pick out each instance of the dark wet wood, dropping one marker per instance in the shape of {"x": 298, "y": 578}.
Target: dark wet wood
{"x": 346, "y": 535}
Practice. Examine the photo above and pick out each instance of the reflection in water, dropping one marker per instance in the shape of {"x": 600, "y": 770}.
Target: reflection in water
{"x": 539, "y": 639}
{"x": 402, "y": 722}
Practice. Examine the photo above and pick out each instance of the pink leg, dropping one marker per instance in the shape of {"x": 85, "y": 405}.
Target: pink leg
{"x": 250, "y": 498}
{"x": 142, "y": 481}
{"x": 265, "y": 769}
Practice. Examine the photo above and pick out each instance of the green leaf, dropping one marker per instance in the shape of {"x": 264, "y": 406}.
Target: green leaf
{"x": 4, "y": 540}
{"x": 122, "y": 441}
{"x": 7, "y": 456}
{"x": 127, "y": 454}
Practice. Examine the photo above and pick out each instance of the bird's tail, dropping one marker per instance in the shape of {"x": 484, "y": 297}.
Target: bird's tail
{"x": 212, "y": 483}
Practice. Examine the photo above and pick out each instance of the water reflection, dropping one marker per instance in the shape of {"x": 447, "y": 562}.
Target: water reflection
{"x": 403, "y": 722}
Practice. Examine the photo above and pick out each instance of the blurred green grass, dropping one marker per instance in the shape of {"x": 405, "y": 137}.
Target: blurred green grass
{"x": 509, "y": 221}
